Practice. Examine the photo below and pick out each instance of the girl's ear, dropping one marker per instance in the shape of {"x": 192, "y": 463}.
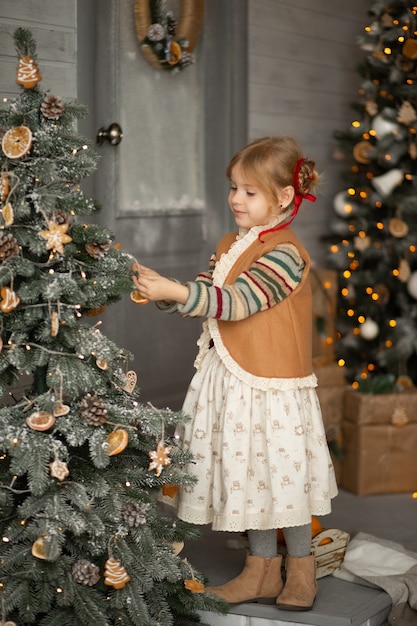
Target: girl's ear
{"x": 286, "y": 196}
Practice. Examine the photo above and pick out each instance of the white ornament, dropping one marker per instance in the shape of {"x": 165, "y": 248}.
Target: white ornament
{"x": 343, "y": 206}
{"x": 369, "y": 329}
{"x": 412, "y": 285}
{"x": 387, "y": 182}
{"x": 383, "y": 127}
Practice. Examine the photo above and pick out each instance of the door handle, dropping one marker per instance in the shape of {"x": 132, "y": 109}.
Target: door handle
{"x": 113, "y": 134}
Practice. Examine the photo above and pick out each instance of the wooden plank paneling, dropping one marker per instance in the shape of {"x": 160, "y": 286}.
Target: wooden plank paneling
{"x": 53, "y": 24}
{"x": 59, "y": 45}
{"x": 302, "y": 81}
{"x": 46, "y": 12}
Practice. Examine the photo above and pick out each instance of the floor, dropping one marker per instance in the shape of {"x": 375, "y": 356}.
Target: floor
{"x": 220, "y": 556}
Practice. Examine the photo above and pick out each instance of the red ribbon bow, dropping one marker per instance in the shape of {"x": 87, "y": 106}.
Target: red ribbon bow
{"x": 299, "y": 196}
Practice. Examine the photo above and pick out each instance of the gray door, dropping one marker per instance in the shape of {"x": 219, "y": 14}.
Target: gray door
{"x": 162, "y": 188}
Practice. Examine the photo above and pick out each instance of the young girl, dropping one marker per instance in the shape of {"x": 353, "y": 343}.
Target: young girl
{"x": 256, "y": 433}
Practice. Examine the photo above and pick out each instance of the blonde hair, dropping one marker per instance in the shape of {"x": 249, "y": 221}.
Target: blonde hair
{"x": 270, "y": 164}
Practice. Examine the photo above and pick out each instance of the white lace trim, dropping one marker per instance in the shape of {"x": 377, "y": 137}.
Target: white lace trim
{"x": 211, "y": 329}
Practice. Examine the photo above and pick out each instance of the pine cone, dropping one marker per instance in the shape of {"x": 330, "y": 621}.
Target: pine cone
{"x": 98, "y": 250}
{"x": 171, "y": 25}
{"x": 8, "y": 246}
{"x": 93, "y": 410}
{"x": 61, "y": 217}
{"x": 186, "y": 59}
{"x": 135, "y": 514}
{"x": 52, "y": 107}
{"x": 85, "y": 573}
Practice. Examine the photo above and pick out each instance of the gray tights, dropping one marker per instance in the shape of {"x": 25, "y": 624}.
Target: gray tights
{"x": 297, "y": 538}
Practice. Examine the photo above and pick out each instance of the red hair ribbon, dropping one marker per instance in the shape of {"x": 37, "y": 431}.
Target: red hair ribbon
{"x": 299, "y": 196}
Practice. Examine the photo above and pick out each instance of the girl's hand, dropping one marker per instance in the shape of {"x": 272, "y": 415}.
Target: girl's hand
{"x": 155, "y": 287}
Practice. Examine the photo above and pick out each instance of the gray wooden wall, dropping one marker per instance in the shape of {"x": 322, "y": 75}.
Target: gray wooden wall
{"x": 54, "y": 26}
{"x": 302, "y": 79}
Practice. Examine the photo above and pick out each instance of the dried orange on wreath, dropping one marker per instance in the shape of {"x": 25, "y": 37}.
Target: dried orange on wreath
{"x": 137, "y": 297}
{"x": 117, "y": 441}
{"x": 175, "y": 53}
{"x": 17, "y": 142}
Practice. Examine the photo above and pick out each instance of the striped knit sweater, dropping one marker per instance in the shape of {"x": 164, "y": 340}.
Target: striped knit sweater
{"x": 268, "y": 281}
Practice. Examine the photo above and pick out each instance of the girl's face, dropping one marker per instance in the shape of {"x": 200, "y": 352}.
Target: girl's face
{"x": 249, "y": 205}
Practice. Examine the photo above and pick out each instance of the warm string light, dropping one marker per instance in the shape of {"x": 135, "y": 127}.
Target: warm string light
{"x": 79, "y": 149}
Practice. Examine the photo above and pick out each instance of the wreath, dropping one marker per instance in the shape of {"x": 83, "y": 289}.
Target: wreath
{"x": 164, "y": 43}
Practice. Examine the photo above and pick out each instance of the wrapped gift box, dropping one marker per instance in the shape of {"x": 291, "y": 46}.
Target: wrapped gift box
{"x": 332, "y": 399}
{"x": 379, "y": 458}
{"x": 385, "y": 408}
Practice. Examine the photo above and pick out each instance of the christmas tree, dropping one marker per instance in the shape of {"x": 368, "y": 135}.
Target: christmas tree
{"x": 374, "y": 234}
{"x": 81, "y": 459}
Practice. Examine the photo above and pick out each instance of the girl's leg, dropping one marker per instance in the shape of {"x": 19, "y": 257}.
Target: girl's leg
{"x": 298, "y": 540}
{"x": 263, "y": 543}
{"x": 300, "y": 586}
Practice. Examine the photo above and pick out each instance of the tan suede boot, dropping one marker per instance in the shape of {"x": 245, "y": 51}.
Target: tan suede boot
{"x": 260, "y": 578}
{"x": 300, "y": 587}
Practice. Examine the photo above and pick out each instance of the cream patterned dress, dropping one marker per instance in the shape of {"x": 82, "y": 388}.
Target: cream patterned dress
{"x": 260, "y": 450}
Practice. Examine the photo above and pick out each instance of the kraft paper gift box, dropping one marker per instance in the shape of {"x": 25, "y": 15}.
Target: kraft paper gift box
{"x": 379, "y": 458}
{"x": 331, "y": 398}
{"x": 385, "y": 408}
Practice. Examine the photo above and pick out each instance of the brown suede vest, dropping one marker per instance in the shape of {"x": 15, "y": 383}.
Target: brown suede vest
{"x": 277, "y": 342}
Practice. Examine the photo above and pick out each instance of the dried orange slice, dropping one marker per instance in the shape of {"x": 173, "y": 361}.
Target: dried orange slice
{"x": 40, "y": 420}
{"x": 117, "y": 441}
{"x": 175, "y": 53}
{"x": 38, "y": 548}
{"x": 17, "y": 142}
{"x": 61, "y": 409}
{"x": 8, "y": 214}
{"x": 137, "y": 297}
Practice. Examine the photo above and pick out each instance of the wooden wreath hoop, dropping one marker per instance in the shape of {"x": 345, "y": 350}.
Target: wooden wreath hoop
{"x": 189, "y": 26}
